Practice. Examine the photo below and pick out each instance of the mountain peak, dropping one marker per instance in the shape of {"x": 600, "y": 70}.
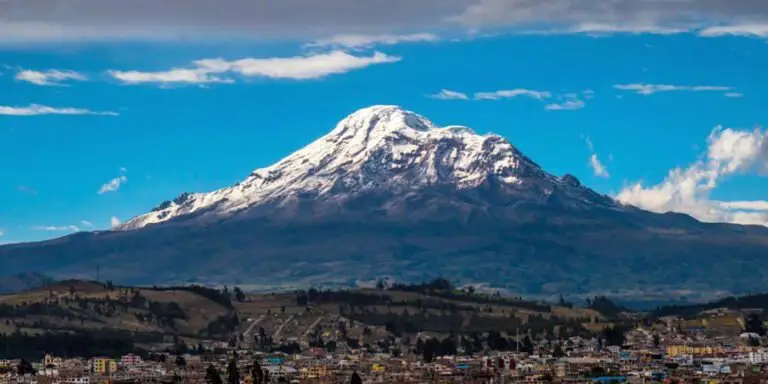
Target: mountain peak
{"x": 368, "y": 125}
{"x": 382, "y": 150}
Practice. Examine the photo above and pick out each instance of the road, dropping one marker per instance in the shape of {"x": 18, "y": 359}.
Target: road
{"x": 280, "y": 328}
{"x": 253, "y": 324}
{"x": 311, "y": 327}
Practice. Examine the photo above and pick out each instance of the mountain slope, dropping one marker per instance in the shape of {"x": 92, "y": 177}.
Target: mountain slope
{"x": 389, "y": 193}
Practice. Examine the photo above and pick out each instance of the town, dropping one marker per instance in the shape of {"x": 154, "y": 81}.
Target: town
{"x": 431, "y": 332}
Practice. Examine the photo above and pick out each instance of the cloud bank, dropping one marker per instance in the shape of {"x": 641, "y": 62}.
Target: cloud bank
{"x": 92, "y": 20}
{"x": 688, "y": 190}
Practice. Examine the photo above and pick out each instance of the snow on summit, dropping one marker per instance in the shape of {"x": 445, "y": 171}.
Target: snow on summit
{"x": 381, "y": 147}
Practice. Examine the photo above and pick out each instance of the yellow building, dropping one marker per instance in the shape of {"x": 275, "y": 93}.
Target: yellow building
{"x": 377, "y": 368}
{"x": 315, "y": 372}
{"x": 104, "y": 366}
{"x": 693, "y": 350}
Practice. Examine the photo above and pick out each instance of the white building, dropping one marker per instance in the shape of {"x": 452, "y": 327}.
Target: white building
{"x": 759, "y": 357}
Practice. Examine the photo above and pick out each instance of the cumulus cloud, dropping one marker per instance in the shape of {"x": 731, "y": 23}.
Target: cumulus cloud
{"x": 2, "y": 233}
{"x": 113, "y": 185}
{"x": 447, "y": 94}
{"x": 37, "y": 109}
{"x": 114, "y": 221}
{"x": 54, "y": 228}
{"x": 52, "y": 77}
{"x": 86, "y": 224}
{"x": 511, "y": 93}
{"x": 98, "y": 20}
{"x": 367, "y": 41}
{"x": 687, "y": 190}
{"x": 649, "y": 89}
{"x": 297, "y": 68}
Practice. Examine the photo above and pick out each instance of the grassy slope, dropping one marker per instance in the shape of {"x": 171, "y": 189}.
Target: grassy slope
{"x": 199, "y": 310}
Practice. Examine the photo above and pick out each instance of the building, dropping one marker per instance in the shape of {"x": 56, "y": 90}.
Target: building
{"x": 103, "y": 366}
{"x": 130, "y": 360}
{"x": 695, "y": 350}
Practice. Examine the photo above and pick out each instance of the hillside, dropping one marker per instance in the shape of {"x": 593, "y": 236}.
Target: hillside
{"x": 94, "y": 318}
{"x": 389, "y": 193}
{"x": 148, "y": 315}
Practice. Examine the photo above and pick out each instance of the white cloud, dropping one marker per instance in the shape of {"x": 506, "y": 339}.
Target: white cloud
{"x": 511, "y": 93}
{"x": 597, "y": 167}
{"x": 366, "y": 41}
{"x": 2, "y": 233}
{"x": 754, "y": 30}
{"x": 566, "y": 105}
{"x": 298, "y": 68}
{"x": 447, "y": 94}
{"x": 87, "y": 224}
{"x": 36, "y": 109}
{"x": 734, "y": 94}
{"x": 51, "y": 77}
{"x": 745, "y": 205}
{"x": 174, "y": 75}
{"x": 730, "y": 152}
{"x": 114, "y": 221}
{"x": 649, "y": 89}
{"x": 598, "y": 29}
{"x": 113, "y": 185}
{"x": 567, "y": 101}
{"x": 53, "y": 228}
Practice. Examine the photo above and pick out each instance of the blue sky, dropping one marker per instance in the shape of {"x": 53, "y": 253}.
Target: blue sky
{"x": 102, "y": 124}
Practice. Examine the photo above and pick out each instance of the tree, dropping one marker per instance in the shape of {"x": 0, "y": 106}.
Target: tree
{"x": 558, "y": 351}
{"x": 239, "y": 295}
{"x": 25, "y": 368}
{"x": 753, "y": 324}
{"x": 181, "y": 362}
{"x": 614, "y": 335}
{"x": 527, "y": 345}
{"x": 257, "y": 373}
{"x": 233, "y": 375}
{"x": 355, "y": 378}
{"x": 212, "y": 375}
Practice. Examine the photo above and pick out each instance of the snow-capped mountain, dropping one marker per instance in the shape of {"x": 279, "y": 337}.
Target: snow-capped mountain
{"x": 380, "y": 149}
{"x": 389, "y": 193}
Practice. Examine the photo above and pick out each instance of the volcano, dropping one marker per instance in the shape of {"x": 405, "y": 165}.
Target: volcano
{"x": 389, "y": 193}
